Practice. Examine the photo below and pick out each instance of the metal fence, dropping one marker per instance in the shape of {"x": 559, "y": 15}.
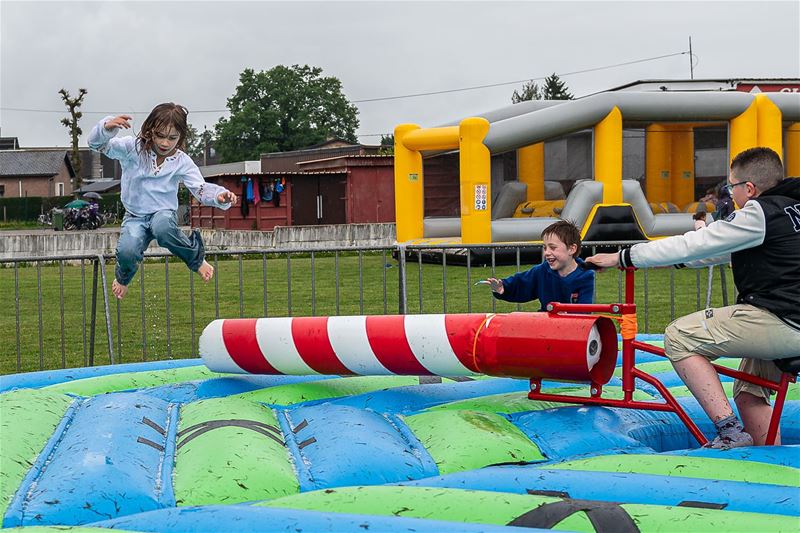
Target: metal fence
{"x": 58, "y": 312}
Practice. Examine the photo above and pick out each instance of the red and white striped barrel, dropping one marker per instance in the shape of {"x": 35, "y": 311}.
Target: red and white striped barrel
{"x": 344, "y": 345}
{"x": 570, "y": 347}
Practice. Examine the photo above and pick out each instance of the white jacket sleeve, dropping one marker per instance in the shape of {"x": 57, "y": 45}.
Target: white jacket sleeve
{"x": 745, "y": 229}
{"x": 206, "y": 193}
{"x": 707, "y": 261}
{"x": 105, "y": 141}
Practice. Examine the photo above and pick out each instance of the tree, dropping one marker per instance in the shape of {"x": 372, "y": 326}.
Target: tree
{"x": 387, "y": 144}
{"x": 530, "y": 91}
{"x": 282, "y": 109}
{"x": 196, "y": 143}
{"x": 74, "y": 130}
{"x": 555, "y": 89}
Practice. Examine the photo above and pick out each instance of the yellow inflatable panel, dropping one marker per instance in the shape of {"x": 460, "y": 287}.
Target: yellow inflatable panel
{"x": 539, "y": 208}
{"x": 669, "y": 207}
{"x": 693, "y": 207}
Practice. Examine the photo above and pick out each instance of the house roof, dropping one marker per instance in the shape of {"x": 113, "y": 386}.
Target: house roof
{"x": 33, "y": 162}
{"x": 99, "y": 186}
{"x": 345, "y": 159}
{"x": 276, "y": 174}
{"x": 329, "y": 145}
{"x": 729, "y": 83}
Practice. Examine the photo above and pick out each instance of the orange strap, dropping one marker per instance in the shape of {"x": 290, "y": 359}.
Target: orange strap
{"x": 627, "y": 324}
{"x": 475, "y": 341}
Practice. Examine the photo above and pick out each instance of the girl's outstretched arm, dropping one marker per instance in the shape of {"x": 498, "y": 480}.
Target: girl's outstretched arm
{"x": 102, "y": 138}
{"x": 206, "y": 193}
{"x": 226, "y": 197}
{"x": 122, "y": 121}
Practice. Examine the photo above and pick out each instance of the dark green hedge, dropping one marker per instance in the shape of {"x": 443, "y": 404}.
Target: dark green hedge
{"x": 30, "y": 207}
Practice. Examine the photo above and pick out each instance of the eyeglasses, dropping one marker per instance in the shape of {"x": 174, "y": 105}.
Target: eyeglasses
{"x": 729, "y": 187}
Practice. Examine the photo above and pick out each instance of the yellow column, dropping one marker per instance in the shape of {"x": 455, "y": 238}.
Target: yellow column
{"x": 408, "y": 190}
{"x": 743, "y": 131}
{"x": 530, "y": 169}
{"x": 608, "y": 156}
{"x": 791, "y": 162}
{"x": 476, "y": 190}
{"x": 682, "y": 162}
{"x": 657, "y": 164}
{"x": 770, "y": 124}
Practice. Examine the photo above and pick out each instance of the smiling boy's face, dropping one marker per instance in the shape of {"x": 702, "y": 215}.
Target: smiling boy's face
{"x": 558, "y": 255}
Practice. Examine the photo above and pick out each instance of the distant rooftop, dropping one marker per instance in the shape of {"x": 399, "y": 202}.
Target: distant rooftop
{"x": 33, "y": 162}
{"x": 710, "y": 84}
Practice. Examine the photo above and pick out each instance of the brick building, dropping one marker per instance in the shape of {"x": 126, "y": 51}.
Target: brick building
{"x": 35, "y": 173}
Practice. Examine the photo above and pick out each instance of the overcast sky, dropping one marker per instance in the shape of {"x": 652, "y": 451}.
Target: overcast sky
{"x": 133, "y": 55}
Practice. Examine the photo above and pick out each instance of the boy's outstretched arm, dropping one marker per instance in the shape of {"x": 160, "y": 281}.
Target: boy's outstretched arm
{"x": 604, "y": 260}
{"x": 521, "y": 287}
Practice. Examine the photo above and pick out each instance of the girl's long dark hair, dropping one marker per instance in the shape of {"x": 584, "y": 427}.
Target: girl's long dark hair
{"x": 161, "y": 117}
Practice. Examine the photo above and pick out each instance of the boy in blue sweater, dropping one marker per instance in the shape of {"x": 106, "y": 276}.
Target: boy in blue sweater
{"x": 557, "y": 279}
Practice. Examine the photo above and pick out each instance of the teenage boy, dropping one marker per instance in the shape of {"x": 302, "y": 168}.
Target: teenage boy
{"x": 762, "y": 242}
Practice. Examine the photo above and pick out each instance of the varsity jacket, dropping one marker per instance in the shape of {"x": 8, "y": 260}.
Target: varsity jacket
{"x": 762, "y": 242}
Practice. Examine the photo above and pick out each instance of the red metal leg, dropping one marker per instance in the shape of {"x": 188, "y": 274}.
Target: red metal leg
{"x": 777, "y": 408}
{"x": 630, "y": 373}
{"x": 672, "y": 402}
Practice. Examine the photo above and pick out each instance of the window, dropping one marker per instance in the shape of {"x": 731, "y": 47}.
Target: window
{"x": 59, "y": 189}
{"x": 2, "y": 191}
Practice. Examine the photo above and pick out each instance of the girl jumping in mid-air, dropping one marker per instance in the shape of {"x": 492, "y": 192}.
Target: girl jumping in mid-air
{"x": 153, "y": 166}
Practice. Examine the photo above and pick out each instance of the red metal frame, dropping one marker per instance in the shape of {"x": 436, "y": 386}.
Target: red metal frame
{"x": 630, "y": 373}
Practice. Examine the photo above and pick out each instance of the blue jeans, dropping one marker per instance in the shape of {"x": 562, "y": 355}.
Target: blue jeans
{"x": 135, "y": 237}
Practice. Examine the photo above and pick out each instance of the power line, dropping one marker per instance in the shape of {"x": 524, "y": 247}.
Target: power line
{"x": 518, "y": 81}
{"x": 384, "y": 98}
{"x": 104, "y": 112}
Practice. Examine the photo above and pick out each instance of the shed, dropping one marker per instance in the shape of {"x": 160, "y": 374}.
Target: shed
{"x": 366, "y": 190}
{"x": 263, "y": 215}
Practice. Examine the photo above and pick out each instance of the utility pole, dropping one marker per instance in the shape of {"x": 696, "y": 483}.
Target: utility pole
{"x": 205, "y": 143}
{"x": 691, "y": 59}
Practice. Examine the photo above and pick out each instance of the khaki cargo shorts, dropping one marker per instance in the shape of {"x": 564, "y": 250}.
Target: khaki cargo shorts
{"x": 743, "y": 331}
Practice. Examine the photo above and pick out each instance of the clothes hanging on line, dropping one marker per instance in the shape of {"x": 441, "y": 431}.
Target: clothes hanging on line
{"x": 245, "y": 205}
{"x": 250, "y": 189}
{"x": 266, "y": 191}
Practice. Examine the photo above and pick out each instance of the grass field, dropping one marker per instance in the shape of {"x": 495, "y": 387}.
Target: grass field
{"x": 44, "y": 323}
{"x": 20, "y": 224}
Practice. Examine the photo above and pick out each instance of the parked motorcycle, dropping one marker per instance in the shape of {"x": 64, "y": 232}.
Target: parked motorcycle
{"x": 87, "y": 217}
{"x": 84, "y": 218}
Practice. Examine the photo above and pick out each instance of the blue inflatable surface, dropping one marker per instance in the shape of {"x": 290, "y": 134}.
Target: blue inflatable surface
{"x": 139, "y": 448}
